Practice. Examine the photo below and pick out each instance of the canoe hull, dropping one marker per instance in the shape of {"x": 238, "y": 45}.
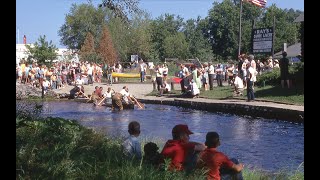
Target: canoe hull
{"x": 125, "y": 75}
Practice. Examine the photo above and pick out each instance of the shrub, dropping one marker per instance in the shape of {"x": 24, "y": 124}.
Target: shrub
{"x": 270, "y": 78}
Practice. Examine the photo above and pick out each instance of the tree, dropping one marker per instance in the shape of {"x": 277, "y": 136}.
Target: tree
{"x": 87, "y": 52}
{"x": 199, "y": 46}
{"x": 121, "y": 7}
{"x": 82, "y": 19}
{"x": 286, "y": 31}
{"x": 43, "y": 51}
{"x": 223, "y": 29}
{"x": 163, "y": 27}
{"x": 106, "y": 50}
{"x": 176, "y": 46}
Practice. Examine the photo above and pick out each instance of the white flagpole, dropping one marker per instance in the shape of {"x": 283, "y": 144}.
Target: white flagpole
{"x": 18, "y": 36}
{"x": 239, "y": 50}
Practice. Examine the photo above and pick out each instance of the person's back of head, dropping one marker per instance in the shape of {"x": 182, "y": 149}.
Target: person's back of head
{"x": 284, "y": 54}
{"x": 212, "y": 140}
{"x": 151, "y": 154}
{"x": 134, "y": 128}
{"x": 179, "y": 130}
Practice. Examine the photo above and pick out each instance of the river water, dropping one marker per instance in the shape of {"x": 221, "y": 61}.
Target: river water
{"x": 268, "y": 145}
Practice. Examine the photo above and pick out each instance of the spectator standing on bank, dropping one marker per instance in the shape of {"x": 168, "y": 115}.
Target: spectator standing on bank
{"x": 284, "y": 69}
{"x": 211, "y": 74}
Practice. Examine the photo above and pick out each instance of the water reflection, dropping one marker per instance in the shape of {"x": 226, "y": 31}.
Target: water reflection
{"x": 266, "y": 144}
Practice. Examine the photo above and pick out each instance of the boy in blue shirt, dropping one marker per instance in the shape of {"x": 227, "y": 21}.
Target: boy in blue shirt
{"x": 132, "y": 146}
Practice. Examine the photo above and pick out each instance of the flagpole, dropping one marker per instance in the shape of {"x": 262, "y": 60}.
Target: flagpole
{"x": 240, "y": 28}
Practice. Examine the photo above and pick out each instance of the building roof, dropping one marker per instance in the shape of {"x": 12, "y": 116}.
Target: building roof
{"x": 300, "y": 18}
{"x": 292, "y": 51}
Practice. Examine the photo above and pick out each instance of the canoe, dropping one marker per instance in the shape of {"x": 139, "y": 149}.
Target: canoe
{"x": 125, "y": 106}
{"x": 125, "y": 75}
{"x": 87, "y": 100}
{"x": 84, "y": 100}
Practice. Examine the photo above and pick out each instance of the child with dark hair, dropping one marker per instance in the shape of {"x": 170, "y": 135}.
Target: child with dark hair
{"x": 151, "y": 154}
{"x": 219, "y": 165}
{"x": 132, "y": 146}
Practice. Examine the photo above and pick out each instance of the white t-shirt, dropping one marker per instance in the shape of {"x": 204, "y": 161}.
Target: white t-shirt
{"x": 185, "y": 71}
{"x": 124, "y": 92}
{"x": 90, "y": 70}
{"x": 159, "y": 72}
{"x": 238, "y": 82}
{"x": 165, "y": 70}
{"x": 211, "y": 69}
{"x": 107, "y": 94}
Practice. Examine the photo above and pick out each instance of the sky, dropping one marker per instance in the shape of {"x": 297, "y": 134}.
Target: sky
{"x": 45, "y": 17}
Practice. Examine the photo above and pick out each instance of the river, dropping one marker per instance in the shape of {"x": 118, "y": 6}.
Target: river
{"x": 268, "y": 145}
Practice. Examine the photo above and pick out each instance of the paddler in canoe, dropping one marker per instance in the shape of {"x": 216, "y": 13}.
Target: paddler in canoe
{"x": 124, "y": 98}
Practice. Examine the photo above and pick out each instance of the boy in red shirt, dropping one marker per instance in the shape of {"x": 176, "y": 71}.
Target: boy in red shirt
{"x": 217, "y": 162}
{"x": 180, "y": 148}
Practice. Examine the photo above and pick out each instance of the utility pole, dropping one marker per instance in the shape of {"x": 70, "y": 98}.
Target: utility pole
{"x": 273, "y": 38}
{"x": 18, "y": 36}
{"x": 239, "y": 50}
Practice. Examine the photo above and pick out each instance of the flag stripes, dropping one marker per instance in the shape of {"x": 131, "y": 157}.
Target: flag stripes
{"x": 260, "y": 3}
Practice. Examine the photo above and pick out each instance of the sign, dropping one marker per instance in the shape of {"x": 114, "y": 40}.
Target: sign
{"x": 262, "y": 39}
{"x": 134, "y": 58}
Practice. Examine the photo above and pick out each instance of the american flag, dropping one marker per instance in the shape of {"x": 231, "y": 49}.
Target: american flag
{"x": 260, "y": 3}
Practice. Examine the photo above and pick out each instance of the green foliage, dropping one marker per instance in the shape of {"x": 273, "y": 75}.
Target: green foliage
{"x": 54, "y": 148}
{"x": 81, "y": 19}
{"x": 43, "y": 51}
{"x": 176, "y": 46}
{"x": 162, "y": 27}
{"x": 269, "y": 78}
{"x": 297, "y": 74}
{"x": 199, "y": 46}
{"x": 286, "y": 31}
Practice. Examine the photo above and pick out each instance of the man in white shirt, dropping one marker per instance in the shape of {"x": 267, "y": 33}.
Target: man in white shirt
{"x": 126, "y": 95}
{"x": 79, "y": 82}
{"x": 250, "y": 72}
{"x": 238, "y": 85}
{"x": 211, "y": 74}
{"x": 90, "y": 72}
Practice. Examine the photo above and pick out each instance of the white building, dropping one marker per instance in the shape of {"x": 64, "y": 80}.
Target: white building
{"x": 22, "y": 53}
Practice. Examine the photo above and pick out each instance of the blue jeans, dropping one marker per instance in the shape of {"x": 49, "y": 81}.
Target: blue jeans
{"x": 250, "y": 93}
{"x": 228, "y": 174}
{"x": 109, "y": 78}
{"x": 142, "y": 74}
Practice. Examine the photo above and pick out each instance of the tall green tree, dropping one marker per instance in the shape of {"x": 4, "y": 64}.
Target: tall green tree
{"x": 176, "y": 46}
{"x": 140, "y": 36}
{"x": 286, "y": 31}
{"x": 162, "y": 27}
{"x": 223, "y": 28}
{"x": 43, "y": 51}
{"x": 199, "y": 45}
{"x": 79, "y": 21}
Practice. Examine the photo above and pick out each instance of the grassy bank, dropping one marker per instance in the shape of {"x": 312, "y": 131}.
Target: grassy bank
{"x": 54, "y": 148}
{"x": 271, "y": 93}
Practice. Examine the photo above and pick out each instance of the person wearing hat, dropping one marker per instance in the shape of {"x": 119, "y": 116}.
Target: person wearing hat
{"x": 284, "y": 69}
{"x": 180, "y": 150}
{"x": 219, "y": 165}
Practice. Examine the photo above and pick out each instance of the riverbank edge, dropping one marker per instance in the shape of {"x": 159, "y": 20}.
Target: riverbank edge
{"x": 260, "y": 111}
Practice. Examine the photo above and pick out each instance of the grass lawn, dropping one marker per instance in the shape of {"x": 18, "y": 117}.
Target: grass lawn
{"x": 271, "y": 93}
